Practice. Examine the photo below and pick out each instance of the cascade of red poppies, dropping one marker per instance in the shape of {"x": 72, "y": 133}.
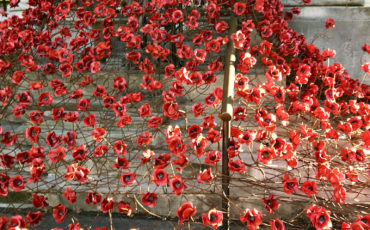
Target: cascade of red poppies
{"x": 149, "y": 127}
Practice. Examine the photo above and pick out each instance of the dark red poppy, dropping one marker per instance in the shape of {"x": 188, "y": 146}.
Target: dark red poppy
{"x": 212, "y": 157}
{"x": 121, "y": 163}
{"x": 33, "y": 218}
{"x": 154, "y": 122}
{"x": 36, "y": 117}
{"x": 276, "y": 224}
{"x": 124, "y": 208}
{"x": 70, "y": 195}
{"x": 58, "y": 154}
{"x": 75, "y": 172}
{"x": 16, "y": 222}
{"x": 253, "y": 219}
{"x": 107, "y": 205}
{"x": 149, "y": 199}
{"x": 24, "y": 157}
{"x": 270, "y": 203}
{"x": 213, "y": 218}
{"x": 97, "y": 134}
{"x": 39, "y": 201}
{"x": 59, "y": 213}
{"x": 177, "y": 185}
{"x": 265, "y": 155}
{"x": 205, "y": 176}
{"x": 144, "y": 111}
{"x": 127, "y": 178}
{"x": 309, "y": 188}
{"x": 93, "y": 198}
{"x": 159, "y": 177}
{"x": 16, "y": 183}
{"x": 290, "y": 185}
{"x": 79, "y": 153}
{"x": 32, "y": 133}
{"x": 7, "y": 161}
{"x": 185, "y": 211}
{"x": 320, "y": 218}
{"x": 171, "y": 110}
{"x": 236, "y": 166}
{"x": 143, "y": 138}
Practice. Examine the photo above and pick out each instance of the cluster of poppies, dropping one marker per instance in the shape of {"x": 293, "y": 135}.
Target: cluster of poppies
{"x": 56, "y": 53}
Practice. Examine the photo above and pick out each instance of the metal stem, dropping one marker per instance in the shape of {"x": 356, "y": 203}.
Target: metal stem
{"x": 226, "y": 116}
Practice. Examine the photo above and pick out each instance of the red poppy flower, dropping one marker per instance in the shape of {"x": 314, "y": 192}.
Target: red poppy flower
{"x": 59, "y": 213}
{"x": 176, "y": 146}
{"x": 119, "y": 147}
{"x": 17, "y": 77}
{"x": 270, "y": 203}
{"x": 213, "y": 218}
{"x": 161, "y": 161}
{"x": 52, "y": 140}
{"x": 199, "y": 145}
{"x": 320, "y": 218}
{"x": 213, "y": 135}
{"x": 329, "y": 23}
{"x": 16, "y": 183}
{"x": 239, "y": 8}
{"x": 309, "y": 188}
{"x": 290, "y": 185}
{"x": 4, "y": 222}
{"x": 127, "y": 178}
{"x": 32, "y": 133}
{"x": 177, "y": 185}
{"x": 154, "y": 122}
{"x": 75, "y": 172}
{"x": 70, "y": 195}
{"x": 265, "y": 155}
{"x": 70, "y": 139}
{"x": 277, "y": 224}
{"x": 83, "y": 105}
{"x": 143, "y": 138}
{"x": 212, "y": 157}
{"x": 185, "y": 211}
{"x": 159, "y": 177}
{"x": 7, "y": 161}
{"x": 205, "y": 176}
{"x": 55, "y": 155}
{"x": 97, "y": 134}
{"x": 236, "y": 166}
{"x": 16, "y": 222}
{"x": 144, "y": 111}
{"x": 339, "y": 194}
{"x": 100, "y": 150}
{"x": 24, "y": 157}
{"x": 123, "y": 121}
{"x": 36, "y": 117}
{"x": 39, "y": 201}
{"x": 194, "y": 131}
{"x": 79, "y": 153}
{"x": 253, "y": 219}
{"x": 124, "y": 208}
{"x": 33, "y": 218}
{"x": 149, "y": 199}
{"x": 121, "y": 163}
{"x": 45, "y": 99}
{"x": 93, "y": 198}
{"x": 171, "y": 110}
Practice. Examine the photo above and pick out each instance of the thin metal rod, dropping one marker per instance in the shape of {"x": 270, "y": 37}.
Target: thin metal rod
{"x": 226, "y": 116}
